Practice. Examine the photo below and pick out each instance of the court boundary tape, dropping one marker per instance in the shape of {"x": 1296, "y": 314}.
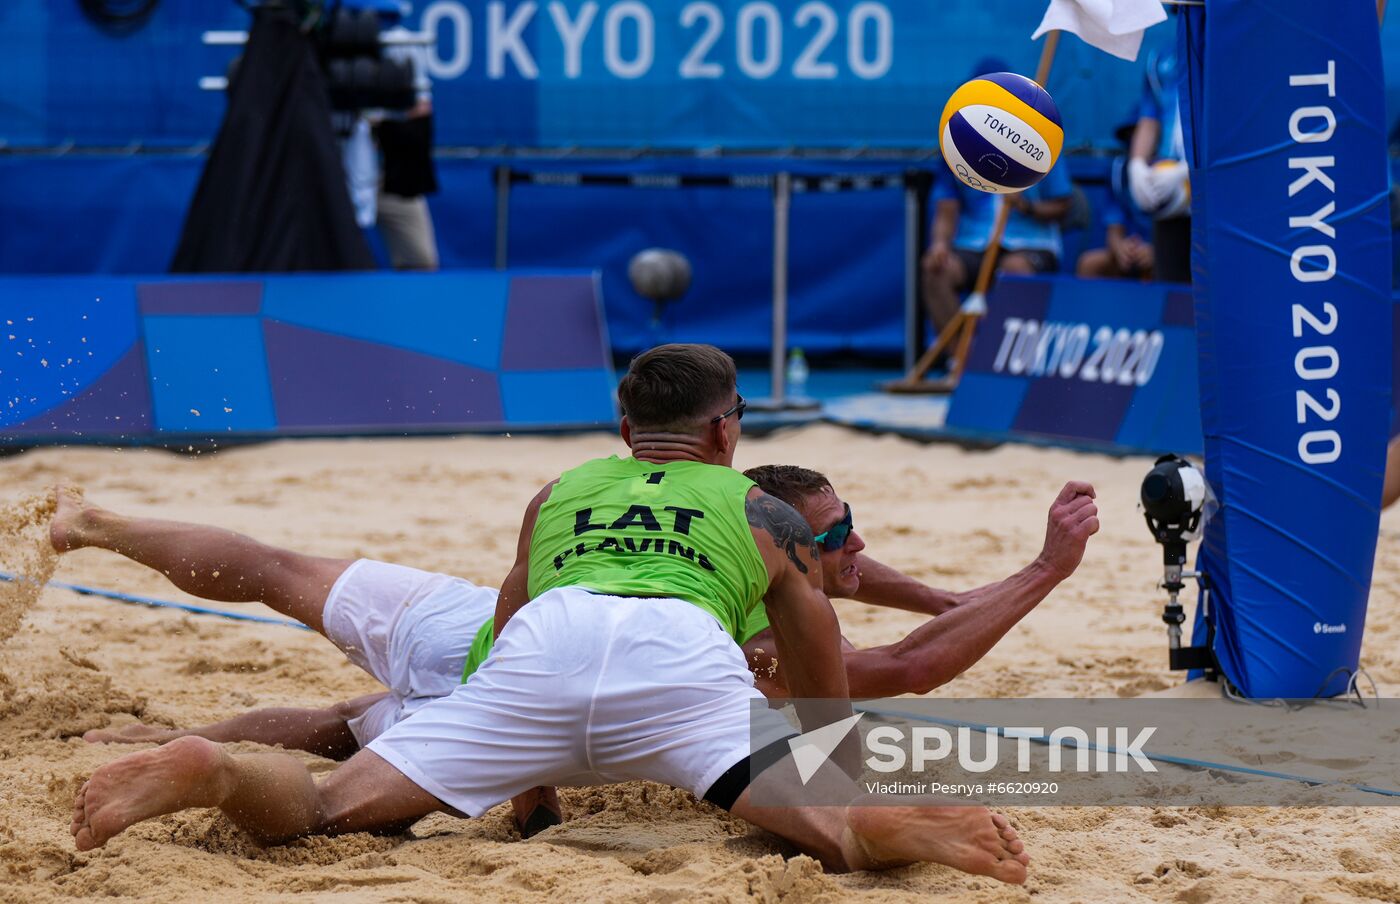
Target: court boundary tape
{"x": 153, "y": 603}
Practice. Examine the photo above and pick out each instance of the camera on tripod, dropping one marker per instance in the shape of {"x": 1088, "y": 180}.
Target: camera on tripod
{"x": 1175, "y": 498}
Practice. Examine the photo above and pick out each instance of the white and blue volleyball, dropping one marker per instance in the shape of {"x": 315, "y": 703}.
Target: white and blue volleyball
{"x": 1000, "y": 133}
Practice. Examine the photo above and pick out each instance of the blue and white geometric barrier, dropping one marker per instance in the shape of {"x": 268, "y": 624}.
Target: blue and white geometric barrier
{"x": 113, "y": 359}
{"x": 1096, "y": 363}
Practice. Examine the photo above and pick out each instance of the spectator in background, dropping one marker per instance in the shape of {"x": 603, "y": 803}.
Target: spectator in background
{"x": 409, "y": 176}
{"x": 392, "y": 196}
{"x": 963, "y": 221}
{"x": 1157, "y": 170}
{"x": 962, "y": 227}
{"x": 1127, "y": 254}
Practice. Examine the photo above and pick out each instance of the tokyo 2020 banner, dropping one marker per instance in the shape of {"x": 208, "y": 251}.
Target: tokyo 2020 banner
{"x": 587, "y": 73}
{"x": 1292, "y": 272}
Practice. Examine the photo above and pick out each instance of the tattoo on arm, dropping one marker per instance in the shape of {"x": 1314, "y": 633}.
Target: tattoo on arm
{"x": 788, "y": 529}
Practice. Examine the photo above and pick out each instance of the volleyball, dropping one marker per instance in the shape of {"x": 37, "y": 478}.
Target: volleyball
{"x": 1000, "y": 133}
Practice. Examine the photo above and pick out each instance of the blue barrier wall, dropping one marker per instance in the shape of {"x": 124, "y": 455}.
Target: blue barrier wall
{"x": 1096, "y": 363}
{"x": 122, "y": 214}
{"x": 113, "y": 359}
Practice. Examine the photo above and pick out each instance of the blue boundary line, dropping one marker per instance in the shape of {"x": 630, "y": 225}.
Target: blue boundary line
{"x": 151, "y": 602}
{"x": 1155, "y": 757}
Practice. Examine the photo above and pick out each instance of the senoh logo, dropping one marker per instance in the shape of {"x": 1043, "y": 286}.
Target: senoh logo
{"x": 1320, "y": 628}
{"x": 1119, "y": 356}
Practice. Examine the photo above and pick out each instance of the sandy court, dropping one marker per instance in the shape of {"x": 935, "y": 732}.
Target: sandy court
{"x": 951, "y": 517}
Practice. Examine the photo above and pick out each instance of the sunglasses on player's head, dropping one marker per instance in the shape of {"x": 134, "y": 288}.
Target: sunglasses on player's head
{"x": 737, "y": 411}
{"x": 836, "y": 536}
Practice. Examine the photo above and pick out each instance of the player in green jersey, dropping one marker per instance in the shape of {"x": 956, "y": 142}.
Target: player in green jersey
{"x": 223, "y": 566}
{"x": 563, "y": 630}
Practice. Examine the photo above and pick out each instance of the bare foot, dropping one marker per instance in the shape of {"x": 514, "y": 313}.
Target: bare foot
{"x": 72, "y": 519}
{"x": 972, "y": 839}
{"x": 187, "y": 772}
{"x": 133, "y": 734}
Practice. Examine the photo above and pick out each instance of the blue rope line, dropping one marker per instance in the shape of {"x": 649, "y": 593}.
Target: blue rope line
{"x": 1155, "y": 757}
{"x": 153, "y": 603}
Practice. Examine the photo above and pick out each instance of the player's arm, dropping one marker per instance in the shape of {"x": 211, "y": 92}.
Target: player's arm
{"x": 1145, "y": 137}
{"x": 1049, "y": 210}
{"x": 945, "y": 226}
{"x": 881, "y": 585}
{"x": 515, "y": 589}
{"x": 941, "y": 649}
{"x": 806, "y": 634}
{"x": 538, "y": 808}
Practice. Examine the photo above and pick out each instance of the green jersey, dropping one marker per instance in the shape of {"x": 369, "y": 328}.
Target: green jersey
{"x": 755, "y": 624}
{"x": 628, "y": 528}
{"x": 623, "y": 527}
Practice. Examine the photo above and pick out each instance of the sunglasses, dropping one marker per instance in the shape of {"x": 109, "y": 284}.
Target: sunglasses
{"x": 737, "y": 411}
{"x": 836, "y": 536}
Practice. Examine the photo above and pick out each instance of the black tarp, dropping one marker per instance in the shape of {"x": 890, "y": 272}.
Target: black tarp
{"x": 273, "y": 194}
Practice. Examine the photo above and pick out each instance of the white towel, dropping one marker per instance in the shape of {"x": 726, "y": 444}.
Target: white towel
{"x": 1113, "y": 26}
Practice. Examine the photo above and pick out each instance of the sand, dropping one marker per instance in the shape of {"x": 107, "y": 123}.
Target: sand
{"x": 951, "y": 517}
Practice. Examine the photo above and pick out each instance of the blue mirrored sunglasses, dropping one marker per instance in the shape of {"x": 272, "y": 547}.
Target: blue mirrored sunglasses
{"x": 836, "y": 536}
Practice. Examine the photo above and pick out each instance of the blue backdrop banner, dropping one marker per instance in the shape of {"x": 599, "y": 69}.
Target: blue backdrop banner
{"x": 1292, "y": 250}
{"x": 1098, "y": 363}
{"x": 670, "y": 73}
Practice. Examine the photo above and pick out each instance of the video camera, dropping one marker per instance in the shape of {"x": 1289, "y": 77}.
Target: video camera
{"x": 349, "y": 41}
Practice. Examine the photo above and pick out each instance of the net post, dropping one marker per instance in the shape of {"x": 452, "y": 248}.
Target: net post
{"x": 782, "y": 203}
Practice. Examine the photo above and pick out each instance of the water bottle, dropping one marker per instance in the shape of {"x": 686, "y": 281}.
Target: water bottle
{"x": 797, "y": 373}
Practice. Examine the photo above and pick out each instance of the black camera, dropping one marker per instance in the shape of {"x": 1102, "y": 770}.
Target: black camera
{"x": 1174, "y": 496}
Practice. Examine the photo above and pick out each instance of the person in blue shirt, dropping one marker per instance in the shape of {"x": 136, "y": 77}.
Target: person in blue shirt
{"x": 962, "y": 227}
{"x": 963, "y": 220}
{"x": 1157, "y": 170}
{"x": 1127, "y": 251}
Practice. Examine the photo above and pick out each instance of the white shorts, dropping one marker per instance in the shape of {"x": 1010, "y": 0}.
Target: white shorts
{"x": 410, "y": 629}
{"x": 584, "y": 689}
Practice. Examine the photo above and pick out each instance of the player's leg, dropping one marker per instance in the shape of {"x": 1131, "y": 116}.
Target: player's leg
{"x": 854, "y": 837}
{"x": 717, "y": 728}
{"x": 1097, "y": 263}
{"x": 270, "y": 796}
{"x": 208, "y": 562}
{"x": 536, "y": 810}
{"x": 325, "y": 732}
{"x": 1023, "y": 263}
{"x": 940, "y": 286}
{"x": 407, "y": 228}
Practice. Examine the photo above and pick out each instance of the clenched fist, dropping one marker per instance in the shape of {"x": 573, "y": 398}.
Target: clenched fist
{"x": 1074, "y": 518}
